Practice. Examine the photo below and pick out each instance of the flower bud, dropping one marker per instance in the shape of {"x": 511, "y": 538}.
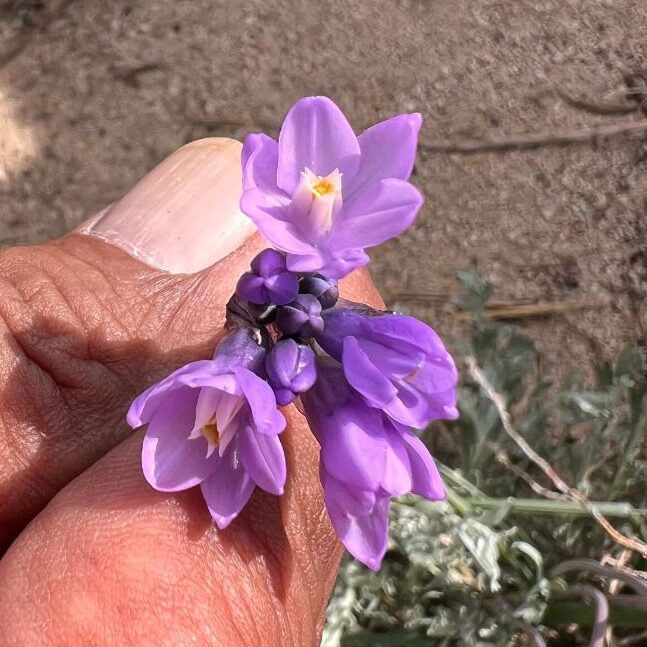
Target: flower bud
{"x": 325, "y": 290}
{"x": 291, "y": 369}
{"x": 269, "y": 280}
{"x": 301, "y": 317}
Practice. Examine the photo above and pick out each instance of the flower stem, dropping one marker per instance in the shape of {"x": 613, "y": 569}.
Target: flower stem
{"x": 567, "y": 508}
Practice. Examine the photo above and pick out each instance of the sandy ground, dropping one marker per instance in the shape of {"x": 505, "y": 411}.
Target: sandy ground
{"x": 93, "y": 94}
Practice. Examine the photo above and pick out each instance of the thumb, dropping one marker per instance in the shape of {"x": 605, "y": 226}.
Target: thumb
{"x": 184, "y": 215}
{"x": 187, "y": 243}
{"x": 87, "y": 325}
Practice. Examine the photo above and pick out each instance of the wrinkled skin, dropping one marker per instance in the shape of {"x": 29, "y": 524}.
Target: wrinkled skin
{"x": 91, "y": 554}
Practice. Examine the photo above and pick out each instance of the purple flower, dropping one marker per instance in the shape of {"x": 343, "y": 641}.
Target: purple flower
{"x": 397, "y": 363}
{"x": 301, "y": 317}
{"x": 291, "y": 368}
{"x": 213, "y": 423}
{"x": 323, "y": 195}
{"x": 269, "y": 281}
{"x": 366, "y": 459}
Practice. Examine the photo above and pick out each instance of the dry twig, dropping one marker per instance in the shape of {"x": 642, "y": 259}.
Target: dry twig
{"x": 533, "y": 310}
{"x": 538, "y": 488}
{"x": 504, "y": 309}
{"x": 632, "y": 543}
{"x": 633, "y": 640}
{"x": 618, "y": 108}
{"x": 536, "y": 140}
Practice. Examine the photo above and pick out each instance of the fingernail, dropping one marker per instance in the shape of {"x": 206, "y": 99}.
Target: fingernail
{"x": 184, "y": 215}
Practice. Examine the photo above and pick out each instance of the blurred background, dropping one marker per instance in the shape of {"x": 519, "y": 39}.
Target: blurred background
{"x": 522, "y": 186}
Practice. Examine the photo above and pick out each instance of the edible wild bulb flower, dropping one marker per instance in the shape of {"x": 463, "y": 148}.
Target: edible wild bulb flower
{"x": 213, "y": 423}
{"x": 323, "y": 195}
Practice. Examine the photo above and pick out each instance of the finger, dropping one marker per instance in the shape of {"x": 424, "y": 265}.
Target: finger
{"x": 111, "y": 561}
{"x": 86, "y": 325}
{"x": 184, "y": 216}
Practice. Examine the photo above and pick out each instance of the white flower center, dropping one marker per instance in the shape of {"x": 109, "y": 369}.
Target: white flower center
{"x": 216, "y": 438}
{"x": 317, "y": 200}
{"x": 221, "y": 426}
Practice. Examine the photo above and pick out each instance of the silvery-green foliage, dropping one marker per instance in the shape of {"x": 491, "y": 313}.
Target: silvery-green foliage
{"x": 442, "y": 580}
{"x": 457, "y": 574}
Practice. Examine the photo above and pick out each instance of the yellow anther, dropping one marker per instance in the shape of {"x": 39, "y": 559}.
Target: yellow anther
{"x": 322, "y": 187}
{"x": 210, "y": 432}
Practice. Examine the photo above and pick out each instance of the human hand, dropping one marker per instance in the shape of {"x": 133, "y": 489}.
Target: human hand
{"x": 86, "y": 326}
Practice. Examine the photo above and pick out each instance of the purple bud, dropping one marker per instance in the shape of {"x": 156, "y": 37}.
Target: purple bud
{"x": 291, "y": 368}
{"x": 324, "y": 289}
{"x": 269, "y": 280}
{"x": 301, "y": 317}
{"x": 239, "y": 348}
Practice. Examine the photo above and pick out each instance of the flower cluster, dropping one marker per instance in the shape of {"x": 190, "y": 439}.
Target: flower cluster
{"x": 364, "y": 378}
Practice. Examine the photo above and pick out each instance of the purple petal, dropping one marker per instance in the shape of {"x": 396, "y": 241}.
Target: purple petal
{"x": 438, "y": 375}
{"x": 325, "y": 289}
{"x": 171, "y": 461}
{"x": 262, "y": 403}
{"x": 377, "y": 212}
{"x": 272, "y": 223}
{"x": 352, "y": 500}
{"x": 353, "y": 446}
{"x": 145, "y": 404}
{"x": 251, "y": 288}
{"x": 301, "y": 317}
{"x": 411, "y": 407}
{"x": 259, "y": 162}
{"x": 417, "y": 408}
{"x": 282, "y": 288}
{"x": 263, "y": 458}
{"x": 206, "y": 406}
{"x": 307, "y": 370}
{"x": 315, "y": 135}
{"x": 388, "y": 151}
{"x": 409, "y": 330}
{"x": 269, "y": 281}
{"x": 365, "y": 535}
{"x": 290, "y": 320}
{"x": 339, "y": 323}
{"x": 227, "y": 490}
{"x": 389, "y": 360}
{"x": 282, "y": 362}
{"x": 208, "y": 377}
{"x": 291, "y": 365}
{"x": 238, "y": 349}
{"x": 397, "y": 472}
{"x": 335, "y": 263}
{"x": 140, "y": 408}
{"x": 329, "y": 392}
{"x": 363, "y": 375}
{"x": 284, "y": 397}
{"x": 305, "y": 262}
{"x": 427, "y": 481}
{"x": 268, "y": 262}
